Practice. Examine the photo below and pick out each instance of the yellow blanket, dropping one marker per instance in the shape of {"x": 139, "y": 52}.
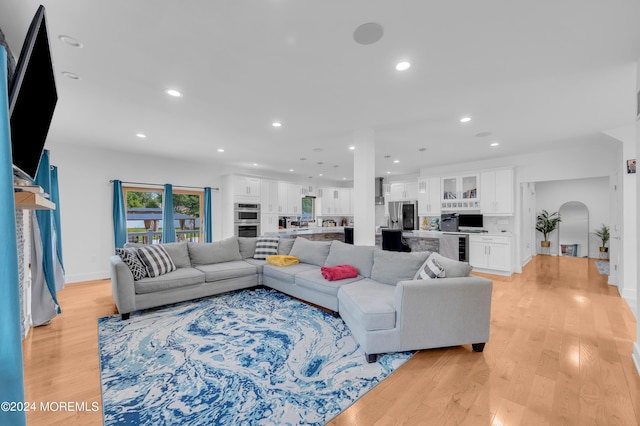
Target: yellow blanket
{"x": 282, "y": 260}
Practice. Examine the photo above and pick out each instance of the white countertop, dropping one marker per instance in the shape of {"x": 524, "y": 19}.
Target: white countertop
{"x": 307, "y": 231}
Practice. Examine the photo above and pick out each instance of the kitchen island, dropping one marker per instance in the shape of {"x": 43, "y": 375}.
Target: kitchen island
{"x": 325, "y": 233}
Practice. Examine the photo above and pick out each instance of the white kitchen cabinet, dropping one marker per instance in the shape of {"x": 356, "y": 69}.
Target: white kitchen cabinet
{"x": 401, "y": 191}
{"x": 490, "y": 252}
{"x": 329, "y": 201}
{"x": 294, "y": 199}
{"x": 246, "y": 187}
{"x": 460, "y": 192}
{"x": 496, "y": 188}
{"x": 268, "y": 223}
{"x": 429, "y": 196}
{"x": 344, "y": 201}
{"x": 269, "y": 196}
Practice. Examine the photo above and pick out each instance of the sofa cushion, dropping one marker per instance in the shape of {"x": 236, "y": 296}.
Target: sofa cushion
{"x": 258, "y": 263}
{"x": 179, "y": 278}
{"x": 390, "y": 267}
{"x": 361, "y": 257}
{"x": 226, "y": 270}
{"x": 156, "y": 260}
{"x": 453, "y": 268}
{"x": 247, "y": 246}
{"x": 287, "y": 273}
{"x": 430, "y": 269}
{"x": 370, "y": 303}
{"x": 130, "y": 257}
{"x": 313, "y": 252}
{"x": 225, "y": 250}
{"x": 314, "y": 280}
{"x": 179, "y": 254}
{"x": 266, "y": 246}
{"x": 285, "y": 244}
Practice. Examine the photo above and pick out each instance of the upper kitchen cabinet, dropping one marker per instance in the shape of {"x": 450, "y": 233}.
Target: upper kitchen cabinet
{"x": 269, "y": 196}
{"x": 403, "y": 191}
{"x": 497, "y": 192}
{"x": 329, "y": 201}
{"x": 246, "y": 187}
{"x": 429, "y": 196}
{"x": 460, "y": 192}
{"x": 289, "y": 199}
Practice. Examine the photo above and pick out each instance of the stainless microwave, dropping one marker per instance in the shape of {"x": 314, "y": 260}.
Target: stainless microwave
{"x": 245, "y": 212}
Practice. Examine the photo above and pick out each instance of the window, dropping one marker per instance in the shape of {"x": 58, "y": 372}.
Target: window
{"x": 144, "y": 214}
{"x": 308, "y": 209}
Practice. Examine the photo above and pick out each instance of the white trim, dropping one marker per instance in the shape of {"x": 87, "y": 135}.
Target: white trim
{"x": 636, "y": 356}
{"x": 630, "y": 296}
{"x": 94, "y": 276}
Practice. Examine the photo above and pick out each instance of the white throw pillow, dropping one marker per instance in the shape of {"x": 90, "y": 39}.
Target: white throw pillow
{"x": 430, "y": 270}
{"x": 156, "y": 260}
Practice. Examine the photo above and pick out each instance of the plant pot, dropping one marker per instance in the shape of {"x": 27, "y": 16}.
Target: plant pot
{"x": 604, "y": 249}
{"x": 545, "y": 244}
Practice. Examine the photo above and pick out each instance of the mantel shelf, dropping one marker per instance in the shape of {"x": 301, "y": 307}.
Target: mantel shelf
{"x": 32, "y": 201}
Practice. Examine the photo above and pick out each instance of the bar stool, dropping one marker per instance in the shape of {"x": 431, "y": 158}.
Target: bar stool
{"x": 392, "y": 240}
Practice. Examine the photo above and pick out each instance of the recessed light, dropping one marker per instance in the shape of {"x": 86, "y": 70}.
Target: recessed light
{"x": 290, "y": 170}
{"x": 320, "y": 174}
{"x": 352, "y": 148}
{"x": 396, "y": 161}
{"x": 220, "y": 150}
{"x": 465, "y": 119}
{"x": 494, "y": 144}
{"x": 388, "y": 173}
{"x": 141, "y": 135}
{"x": 70, "y": 41}
{"x": 70, "y": 75}
{"x": 344, "y": 178}
{"x": 276, "y": 124}
{"x": 403, "y": 66}
{"x": 254, "y": 164}
{"x": 173, "y": 92}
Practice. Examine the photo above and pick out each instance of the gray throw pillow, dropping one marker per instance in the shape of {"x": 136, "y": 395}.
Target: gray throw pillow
{"x": 266, "y": 246}
{"x": 179, "y": 253}
{"x": 391, "y": 267}
{"x": 285, "y": 245}
{"x": 226, "y": 250}
{"x": 247, "y": 246}
{"x": 453, "y": 268}
{"x": 312, "y": 252}
{"x": 360, "y": 257}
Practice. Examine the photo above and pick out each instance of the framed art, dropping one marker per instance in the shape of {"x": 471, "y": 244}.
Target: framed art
{"x": 631, "y": 166}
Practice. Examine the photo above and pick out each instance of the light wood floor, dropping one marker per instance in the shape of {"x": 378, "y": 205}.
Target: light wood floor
{"x": 559, "y": 353}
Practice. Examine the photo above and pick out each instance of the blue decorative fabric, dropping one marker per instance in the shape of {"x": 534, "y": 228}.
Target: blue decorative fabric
{"x": 47, "y": 236}
{"x": 57, "y": 228}
{"x": 208, "y": 232}
{"x": 247, "y": 357}
{"x": 11, "y": 370}
{"x": 168, "y": 229}
{"x": 119, "y": 216}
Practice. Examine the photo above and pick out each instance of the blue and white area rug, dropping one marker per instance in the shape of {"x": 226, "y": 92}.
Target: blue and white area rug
{"x": 248, "y": 357}
{"x": 603, "y": 267}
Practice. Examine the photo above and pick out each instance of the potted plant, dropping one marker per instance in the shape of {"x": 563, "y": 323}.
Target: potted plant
{"x": 547, "y": 223}
{"x": 603, "y": 234}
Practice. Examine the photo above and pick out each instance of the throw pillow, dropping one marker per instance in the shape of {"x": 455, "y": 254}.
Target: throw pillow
{"x": 359, "y": 256}
{"x": 247, "y": 246}
{"x": 179, "y": 254}
{"x": 391, "y": 267}
{"x": 313, "y": 252}
{"x": 266, "y": 246}
{"x": 130, "y": 257}
{"x": 226, "y": 250}
{"x": 285, "y": 244}
{"x": 430, "y": 270}
{"x": 156, "y": 260}
{"x": 453, "y": 268}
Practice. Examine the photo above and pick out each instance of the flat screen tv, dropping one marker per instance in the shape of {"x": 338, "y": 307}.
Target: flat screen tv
{"x": 32, "y": 99}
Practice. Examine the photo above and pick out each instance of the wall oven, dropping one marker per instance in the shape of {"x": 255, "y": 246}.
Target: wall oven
{"x": 246, "y": 218}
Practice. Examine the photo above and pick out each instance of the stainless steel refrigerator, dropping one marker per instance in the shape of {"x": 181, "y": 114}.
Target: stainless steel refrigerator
{"x": 403, "y": 215}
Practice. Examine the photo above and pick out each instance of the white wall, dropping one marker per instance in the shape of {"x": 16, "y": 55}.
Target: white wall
{"x": 592, "y": 192}
{"x": 86, "y": 199}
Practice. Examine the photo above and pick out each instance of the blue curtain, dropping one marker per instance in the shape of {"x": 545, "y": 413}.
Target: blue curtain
{"x": 44, "y": 266}
{"x": 119, "y": 216}
{"x": 11, "y": 367}
{"x": 168, "y": 230}
{"x": 57, "y": 229}
{"x": 208, "y": 232}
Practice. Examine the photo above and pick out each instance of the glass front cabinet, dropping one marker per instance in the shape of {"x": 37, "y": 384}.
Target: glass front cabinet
{"x": 460, "y": 192}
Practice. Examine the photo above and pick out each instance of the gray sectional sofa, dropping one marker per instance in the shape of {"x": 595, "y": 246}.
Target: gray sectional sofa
{"x": 385, "y": 306}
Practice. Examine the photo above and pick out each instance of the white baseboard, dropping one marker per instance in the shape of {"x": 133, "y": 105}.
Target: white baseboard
{"x": 630, "y": 296}
{"x": 76, "y": 278}
{"x": 636, "y": 356}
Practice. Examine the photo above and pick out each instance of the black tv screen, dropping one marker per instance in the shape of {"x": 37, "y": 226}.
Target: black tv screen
{"x": 470, "y": 221}
{"x": 32, "y": 98}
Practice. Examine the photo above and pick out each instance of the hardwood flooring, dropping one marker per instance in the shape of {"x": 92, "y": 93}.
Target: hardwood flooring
{"x": 559, "y": 353}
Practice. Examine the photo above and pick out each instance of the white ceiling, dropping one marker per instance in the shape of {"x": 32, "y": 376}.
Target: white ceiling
{"x": 534, "y": 74}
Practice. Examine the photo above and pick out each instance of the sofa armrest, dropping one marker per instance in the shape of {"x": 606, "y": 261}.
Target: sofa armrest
{"x": 443, "y": 312}
{"x": 122, "y": 285}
